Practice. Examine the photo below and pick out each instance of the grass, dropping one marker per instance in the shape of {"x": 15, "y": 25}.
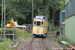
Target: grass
{"x": 3, "y": 29}
{"x": 48, "y": 48}
{"x": 49, "y": 38}
{"x": 5, "y": 43}
{"x": 52, "y": 31}
{"x": 56, "y": 28}
{"x": 60, "y": 38}
{"x": 72, "y": 43}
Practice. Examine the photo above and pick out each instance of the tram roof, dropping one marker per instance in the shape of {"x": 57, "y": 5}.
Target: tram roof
{"x": 41, "y": 17}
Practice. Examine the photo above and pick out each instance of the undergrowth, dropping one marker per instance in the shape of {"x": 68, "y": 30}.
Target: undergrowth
{"x": 4, "y": 44}
{"x": 61, "y": 38}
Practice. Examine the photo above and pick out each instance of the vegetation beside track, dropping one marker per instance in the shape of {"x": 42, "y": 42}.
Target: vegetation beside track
{"x": 4, "y": 44}
{"x": 61, "y": 38}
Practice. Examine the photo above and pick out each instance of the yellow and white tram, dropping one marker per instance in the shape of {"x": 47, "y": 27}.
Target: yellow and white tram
{"x": 40, "y": 26}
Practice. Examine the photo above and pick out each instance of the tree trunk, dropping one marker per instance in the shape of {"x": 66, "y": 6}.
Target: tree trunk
{"x": 53, "y": 22}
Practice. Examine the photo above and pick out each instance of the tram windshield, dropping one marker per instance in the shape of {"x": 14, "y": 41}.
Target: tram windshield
{"x": 38, "y": 23}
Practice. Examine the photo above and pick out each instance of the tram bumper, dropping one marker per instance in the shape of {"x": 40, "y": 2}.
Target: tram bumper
{"x": 39, "y": 34}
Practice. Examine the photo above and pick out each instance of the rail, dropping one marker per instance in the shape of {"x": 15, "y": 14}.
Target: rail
{"x": 30, "y": 48}
{"x": 15, "y": 43}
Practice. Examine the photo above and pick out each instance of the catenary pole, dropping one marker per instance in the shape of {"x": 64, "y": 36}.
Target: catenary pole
{"x": 4, "y": 18}
{"x": 32, "y": 10}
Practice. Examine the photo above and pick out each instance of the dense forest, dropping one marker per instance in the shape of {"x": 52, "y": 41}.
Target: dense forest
{"x": 21, "y": 10}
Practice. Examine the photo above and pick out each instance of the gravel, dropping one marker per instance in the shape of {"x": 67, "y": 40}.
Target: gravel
{"x": 36, "y": 44}
{"x": 25, "y": 45}
{"x": 48, "y": 42}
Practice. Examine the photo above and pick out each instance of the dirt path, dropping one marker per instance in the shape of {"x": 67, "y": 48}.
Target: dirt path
{"x": 36, "y": 44}
{"x": 25, "y": 45}
{"x": 48, "y": 42}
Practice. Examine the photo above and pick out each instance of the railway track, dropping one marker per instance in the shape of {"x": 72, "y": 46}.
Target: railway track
{"x": 41, "y": 42}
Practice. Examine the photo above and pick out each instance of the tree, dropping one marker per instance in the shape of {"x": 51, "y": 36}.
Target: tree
{"x": 21, "y": 10}
{"x": 56, "y": 5}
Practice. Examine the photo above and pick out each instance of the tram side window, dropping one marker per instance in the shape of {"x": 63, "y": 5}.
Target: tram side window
{"x": 34, "y": 22}
{"x": 38, "y": 23}
{"x": 42, "y": 23}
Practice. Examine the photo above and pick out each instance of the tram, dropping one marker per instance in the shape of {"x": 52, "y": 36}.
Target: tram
{"x": 40, "y": 26}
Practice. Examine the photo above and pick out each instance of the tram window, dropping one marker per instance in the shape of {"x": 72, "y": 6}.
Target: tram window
{"x": 42, "y": 23}
{"x": 34, "y": 22}
{"x": 38, "y": 23}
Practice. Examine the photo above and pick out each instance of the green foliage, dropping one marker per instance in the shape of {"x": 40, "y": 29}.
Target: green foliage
{"x": 56, "y": 4}
{"x": 60, "y": 38}
{"x": 68, "y": 40}
{"x": 72, "y": 43}
{"x": 3, "y": 29}
{"x": 1, "y": 40}
{"x": 5, "y": 43}
{"x": 21, "y": 10}
{"x": 54, "y": 7}
{"x": 19, "y": 33}
{"x": 56, "y": 28}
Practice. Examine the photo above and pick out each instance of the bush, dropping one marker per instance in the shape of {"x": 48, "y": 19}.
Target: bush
{"x": 1, "y": 40}
{"x": 4, "y": 43}
{"x": 19, "y": 33}
{"x": 60, "y": 38}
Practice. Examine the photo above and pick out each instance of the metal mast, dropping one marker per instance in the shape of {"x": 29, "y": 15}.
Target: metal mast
{"x": 32, "y": 10}
{"x": 4, "y": 18}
